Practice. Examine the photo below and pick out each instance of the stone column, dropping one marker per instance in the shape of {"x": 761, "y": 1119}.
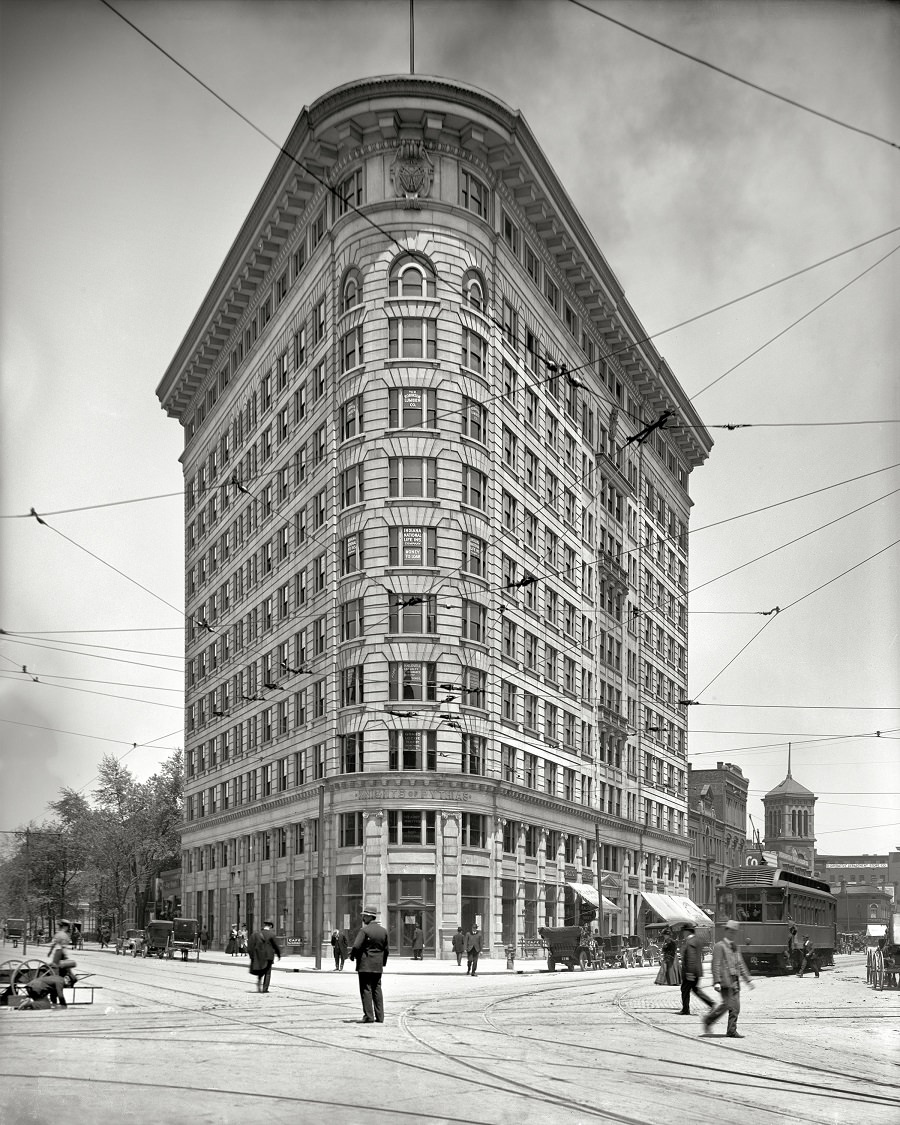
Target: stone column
{"x": 448, "y": 882}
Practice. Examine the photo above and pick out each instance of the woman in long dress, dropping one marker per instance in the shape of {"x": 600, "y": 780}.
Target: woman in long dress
{"x": 669, "y": 971}
{"x": 231, "y": 947}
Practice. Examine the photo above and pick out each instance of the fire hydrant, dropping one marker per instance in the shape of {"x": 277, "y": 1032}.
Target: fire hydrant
{"x": 510, "y": 957}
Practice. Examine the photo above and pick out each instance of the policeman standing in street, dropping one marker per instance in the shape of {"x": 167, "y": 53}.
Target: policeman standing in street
{"x": 728, "y": 969}
{"x": 370, "y": 952}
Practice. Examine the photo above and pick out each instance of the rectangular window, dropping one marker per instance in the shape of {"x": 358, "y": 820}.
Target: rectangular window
{"x": 348, "y": 194}
{"x": 412, "y": 613}
{"x": 352, "y": 752}
{"x": 351, "y": 349}
{"x": 318, "y": 320}
{"x": 551, "y": 293}
{"x": 317, "y": 230}
{"x": 351, "y": 830}
{"x": 473, "y": 194}
{"x": 412, "y": 750}
{"x": 510, "y": 325}
{"x": 351, "y": 418}
{"x": 510, "y": 234}
{"x": 352, "y": 486}
{"x": 529, "y": 703}
{"x": 412, "y": 476}
{"x": 474, "y": 830}
{"x": 474, "y": 555}
{"x": 412, "y": 546}
{"x": 411, "y": 827}
{"x": 352, "y": 685}
{"x": 508, "y": 701}
{"x": 474, "y": 488}
{"x": 474, "y": 351}
{"x": 412, "y": 338}
{"x": 352, "y": 619}
{"x": 474, "y": 754}
{"x": 474, "y": 420}
{"x": 412, "y": 407}
{"x": 510, "y": 448}
{"x": 532, "y": 265}
{"x": 412, "y": 681}
{"x": 473, "y": 621}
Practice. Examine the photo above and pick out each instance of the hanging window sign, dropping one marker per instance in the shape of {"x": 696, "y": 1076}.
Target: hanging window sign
{"x": 412, "y": 400}
{"x": 412, "y": 546}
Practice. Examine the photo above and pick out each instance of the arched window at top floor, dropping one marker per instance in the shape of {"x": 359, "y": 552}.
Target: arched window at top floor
{"x": 473, "y": 291}
{"x": 412, "y": 277}
{"x": 351, "y": 290}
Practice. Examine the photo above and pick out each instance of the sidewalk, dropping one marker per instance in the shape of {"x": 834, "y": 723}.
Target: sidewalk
{"x": 487, "y": 966}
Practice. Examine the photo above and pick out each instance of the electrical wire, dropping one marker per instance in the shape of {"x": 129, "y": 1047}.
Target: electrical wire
{"x": 93, "y": 737}
{"x": 108, "y": 648}
{"x": 43, "y": 677}
{"x": 793, "y": 324}
{"x": 93, "y": 507}
{"x": 791, "y": 499}
{"x": 791, "y": 542}
{"x": 99, "y": 656}
{"x": 127, "y": 577}
{"x": 110, "y": 695}
{"x": 735, "y": 77}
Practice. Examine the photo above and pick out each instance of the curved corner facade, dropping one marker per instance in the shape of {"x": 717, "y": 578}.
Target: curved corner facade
{"x": 436, "y": 598}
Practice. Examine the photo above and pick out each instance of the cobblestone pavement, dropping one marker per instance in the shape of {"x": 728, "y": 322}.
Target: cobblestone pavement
{"x": 175, "y": 1042}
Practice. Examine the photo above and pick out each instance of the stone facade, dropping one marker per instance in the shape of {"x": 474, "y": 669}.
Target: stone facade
{"x": 717, "y": 827}
{"x": 435, "y": 582}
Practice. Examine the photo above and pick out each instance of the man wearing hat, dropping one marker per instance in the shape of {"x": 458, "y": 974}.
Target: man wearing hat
{"x": 691, "y": 969}
{"x": 728, "y": 968}
{"x": 370, "y": 952}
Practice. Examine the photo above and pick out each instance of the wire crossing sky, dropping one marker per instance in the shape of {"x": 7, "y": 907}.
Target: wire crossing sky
{"x": 738, "y": 174}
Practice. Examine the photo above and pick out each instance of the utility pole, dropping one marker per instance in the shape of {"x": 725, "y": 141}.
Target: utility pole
{"x": 25, "y": 931}
{"x": 599, "y": 878}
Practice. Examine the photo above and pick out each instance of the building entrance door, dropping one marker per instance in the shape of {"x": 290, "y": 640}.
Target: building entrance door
{"x": 403, "y": 922}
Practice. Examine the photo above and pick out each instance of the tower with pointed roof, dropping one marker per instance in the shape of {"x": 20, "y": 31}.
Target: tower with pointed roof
{"x": 790, "y": 819}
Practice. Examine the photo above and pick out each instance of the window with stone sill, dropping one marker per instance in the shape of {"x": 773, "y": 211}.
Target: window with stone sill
{"x": 473, "y": 291}
{"x": 412, "y": 338}
{"x": 474, "y": 420}
{"x": 414, "y": 750}
{"x": 411, "y": 827}
{"x": 412, "y": 477}
{"x": 411, "y": 277}
{"x": 411, "y": 681}
{"x": 473, "y": 194}
{"x": 412, "y": 546}
{"x": 473, "y": 351}
{"x": 474, "y": 755}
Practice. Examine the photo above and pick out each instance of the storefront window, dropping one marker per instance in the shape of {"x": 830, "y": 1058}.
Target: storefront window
{"x": 348, "y": 904}
{"x": 475, "y": 905}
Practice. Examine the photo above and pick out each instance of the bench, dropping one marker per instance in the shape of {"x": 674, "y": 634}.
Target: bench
{"x": 532, "y": 947}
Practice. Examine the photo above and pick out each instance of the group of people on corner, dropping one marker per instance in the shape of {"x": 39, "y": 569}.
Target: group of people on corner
{"x": 237, "y": 941}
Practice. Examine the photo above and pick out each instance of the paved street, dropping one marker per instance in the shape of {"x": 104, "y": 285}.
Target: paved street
{"x": 174, "y": 1042}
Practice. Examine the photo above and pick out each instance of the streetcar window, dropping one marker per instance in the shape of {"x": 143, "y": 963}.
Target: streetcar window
{"x": 726, "y": 905}
{"x": 749, "y": 906}
{"x": 774, "y": 906}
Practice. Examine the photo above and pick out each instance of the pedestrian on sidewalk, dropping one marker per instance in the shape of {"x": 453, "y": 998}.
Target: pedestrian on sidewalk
{"x": 692, "y": 970}
{"x": 668, "y": 966}
{"x": 204, "y": 940}
{"x": 474, "y": 946}
{"x": 339, "y": 949}
{"x": 370, "y": 952}
{"x": 728, "y": 970}
{"x": 232, "y": 946}
{"x": 242, "y": 940}
{"x": 418, "y": 944}
{"x": 459, "y": 944}
{"x": 263, "y": 949}
{"x": 808, "y": 958}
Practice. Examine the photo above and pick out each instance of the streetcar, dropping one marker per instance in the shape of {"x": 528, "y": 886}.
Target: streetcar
{"x": 768, "y": 902}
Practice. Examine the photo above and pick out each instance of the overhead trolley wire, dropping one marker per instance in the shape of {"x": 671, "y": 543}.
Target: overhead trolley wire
{"x": 93, "y": 737}
{"x": 793, "y": 324}
{"x": 791, "y": 542}
{"x": 92, "y": 507}
{"x": 735, "y": 77}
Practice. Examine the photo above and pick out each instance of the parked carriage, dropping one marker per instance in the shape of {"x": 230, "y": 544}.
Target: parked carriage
{"x": 132, "y": 941}
{"x": 15, "y": 930}
{"x": 156, "y": 939}
{"x": 570, "y": 946}
{"x": 883, "y": 961}
{"x": 768, "y": 902}
{"x": 184, "y": 938}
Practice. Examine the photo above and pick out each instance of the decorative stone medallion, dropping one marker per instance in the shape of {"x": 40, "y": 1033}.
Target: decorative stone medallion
{"x": 412, "y": 172}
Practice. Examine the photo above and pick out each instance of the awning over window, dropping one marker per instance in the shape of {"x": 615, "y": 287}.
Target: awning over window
{"x": 589, "y": 894}
{"x": 676, "y": 910}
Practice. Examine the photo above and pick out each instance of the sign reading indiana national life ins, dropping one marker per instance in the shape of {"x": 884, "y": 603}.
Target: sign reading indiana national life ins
{"x": 412, "y": 546}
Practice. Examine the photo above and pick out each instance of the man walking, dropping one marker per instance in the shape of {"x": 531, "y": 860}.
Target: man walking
{"x": 263, "y": 949}
{"x": 728, "y": 968}
{"x": 692, "y": 970}
{"x": 459, "y": 944}
{"x": 370, "y": 952}
{"x": 808, "y": 958}
{"x": 474, "y": 946}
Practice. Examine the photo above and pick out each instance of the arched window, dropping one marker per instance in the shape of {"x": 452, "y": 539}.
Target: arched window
{"x": 793, "y": 822}
{"x": 351, "y": 291}
{"x": 412, "y": 277}
{"x": 473, "y": 291}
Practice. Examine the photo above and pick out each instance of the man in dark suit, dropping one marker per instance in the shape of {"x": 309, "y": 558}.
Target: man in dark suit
{"x": 370, "y": 952}
{"x": 474, "y": 946}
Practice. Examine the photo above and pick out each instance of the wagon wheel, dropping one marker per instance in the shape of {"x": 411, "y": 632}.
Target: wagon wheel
{"x": 27, "y": 971}
{"x": 878, "y": 971}
{"x": 868, "y": 966}
{"x": 551, "y": 964}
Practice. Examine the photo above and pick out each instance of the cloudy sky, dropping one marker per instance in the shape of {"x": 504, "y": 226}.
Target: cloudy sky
{"x": 123, "y": 182}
